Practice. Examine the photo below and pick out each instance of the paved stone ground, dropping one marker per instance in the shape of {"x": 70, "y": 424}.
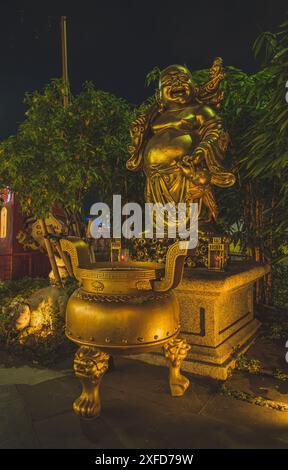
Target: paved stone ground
{"x": 138, "y": 412}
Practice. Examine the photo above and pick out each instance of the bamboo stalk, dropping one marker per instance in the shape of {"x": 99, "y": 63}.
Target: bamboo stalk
{"x": 91, "y": 252}
{"x": 268, "y": 279}
{"x": 50, "y": 253}
{"x": 248, "y": 220}
{"x": 256, "y": 232}
{"x": 64, "y": 257}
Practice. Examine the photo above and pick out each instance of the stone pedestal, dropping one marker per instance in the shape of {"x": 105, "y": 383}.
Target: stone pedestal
{"x": 217, "y": 317}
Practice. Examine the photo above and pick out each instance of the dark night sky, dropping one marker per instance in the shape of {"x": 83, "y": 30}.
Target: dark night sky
{"x": 115, "y": 44}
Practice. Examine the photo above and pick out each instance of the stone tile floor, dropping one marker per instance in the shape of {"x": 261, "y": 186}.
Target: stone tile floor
{"x": 137, "y": 411}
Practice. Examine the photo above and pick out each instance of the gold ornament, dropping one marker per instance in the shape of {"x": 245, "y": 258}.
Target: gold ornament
{"x": 90, "y": 365}
{"x": 175, "y": 352}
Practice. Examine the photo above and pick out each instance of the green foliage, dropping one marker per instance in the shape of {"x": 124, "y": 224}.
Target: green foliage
{"x": 245, "y": 101}
{"x": 19, "y": 290}
{"x": 60, "y": 154}
{"x": 276, "y": 329}
{"x": 42, "y": 346}
{"x": 280, "y": 375}
{"x": 153, "y": 76}
{"x": 280, "y": 283}
{"x": 30, "y": 160}
{"x": 250, "y": 365}
{"x": 97, "y": 135}
{"x": 15, "y": 291}
{"x": 264, "y": 144}
{"x": 275, "y": 321}
{"x": 253, "y": 399}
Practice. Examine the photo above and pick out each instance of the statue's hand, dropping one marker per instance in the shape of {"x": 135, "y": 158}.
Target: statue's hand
{"x": 198, "y": 156}
{"x": 189, "y": 163}
{"x": 187, "y": 160}
{"x": 131, "y": 150}
{"x": 201, "y": 178}
{"x": 187, "y": 166}
{"x": 137, "y": 128}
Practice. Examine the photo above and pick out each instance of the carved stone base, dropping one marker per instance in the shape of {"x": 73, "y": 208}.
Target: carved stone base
{"x": 217, "y": 318}
{"x": 90, "y": 364}
{"x": 175, "y": 352}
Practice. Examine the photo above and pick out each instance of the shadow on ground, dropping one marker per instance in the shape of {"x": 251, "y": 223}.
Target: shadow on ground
{"x": 137, "y": 412}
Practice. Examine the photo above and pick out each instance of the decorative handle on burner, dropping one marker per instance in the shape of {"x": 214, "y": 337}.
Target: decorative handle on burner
{"x": 173, "y": 268}
{"x": 78, "y": 251}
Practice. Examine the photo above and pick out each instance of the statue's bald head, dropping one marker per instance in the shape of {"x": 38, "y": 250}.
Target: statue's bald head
{"x": 176, "y": 85}
{"x": 174, "y": 69}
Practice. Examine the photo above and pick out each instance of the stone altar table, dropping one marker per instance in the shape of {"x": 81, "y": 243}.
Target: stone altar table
{"x": 217, "y": 317}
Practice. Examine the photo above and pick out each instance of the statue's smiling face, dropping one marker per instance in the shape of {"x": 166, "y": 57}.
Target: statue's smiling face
{"x": 176, "y": 86}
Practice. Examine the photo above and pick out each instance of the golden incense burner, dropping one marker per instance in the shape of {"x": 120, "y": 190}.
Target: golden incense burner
{"x": 122, "y": 308}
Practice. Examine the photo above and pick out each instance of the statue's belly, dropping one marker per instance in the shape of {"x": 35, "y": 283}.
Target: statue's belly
{"x": 165, "y": 148}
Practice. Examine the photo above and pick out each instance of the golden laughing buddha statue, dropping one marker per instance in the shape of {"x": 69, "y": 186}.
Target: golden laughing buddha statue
{"x": 180, "y": 142}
